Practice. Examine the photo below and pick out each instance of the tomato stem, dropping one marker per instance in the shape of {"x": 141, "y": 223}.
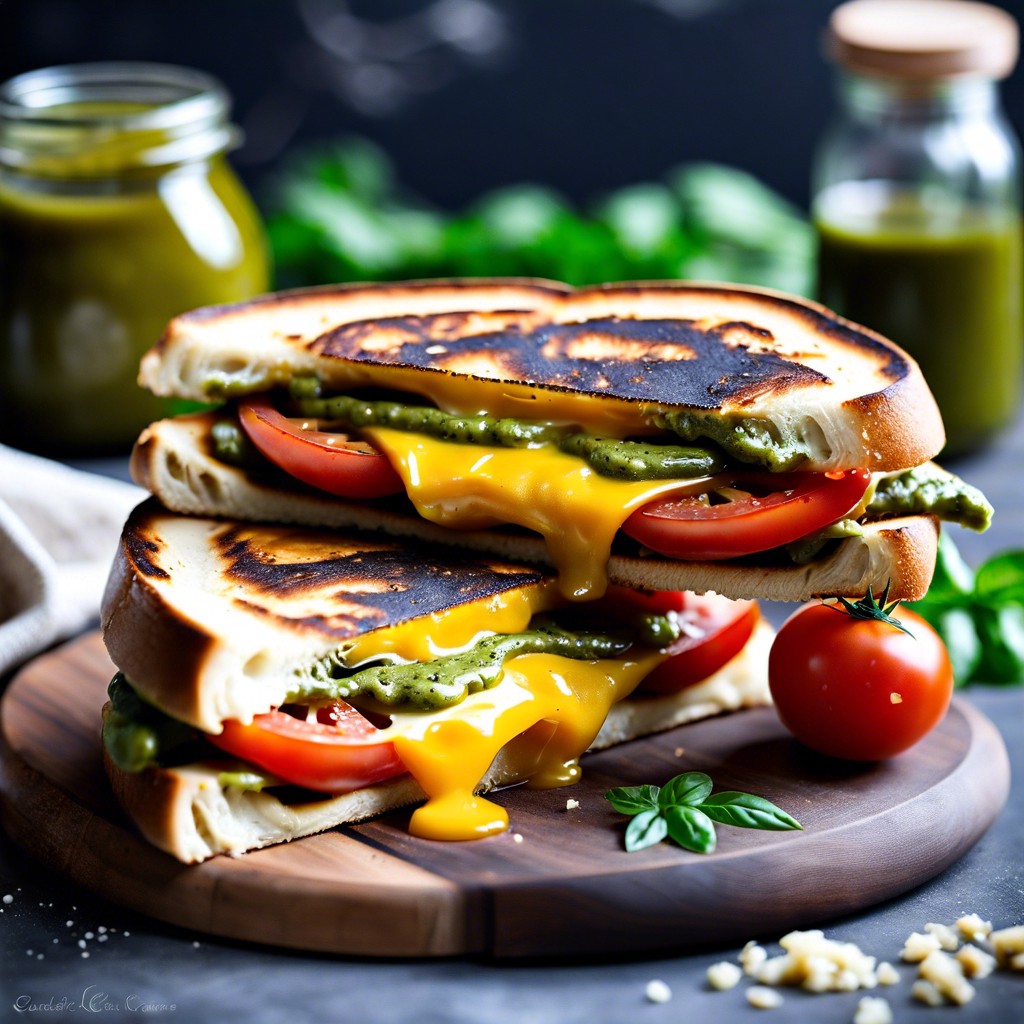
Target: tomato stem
{"x": 870, "y": 608}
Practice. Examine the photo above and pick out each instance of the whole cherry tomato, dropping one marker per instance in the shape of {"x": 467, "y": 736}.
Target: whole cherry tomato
{"x": 859, "y": 687}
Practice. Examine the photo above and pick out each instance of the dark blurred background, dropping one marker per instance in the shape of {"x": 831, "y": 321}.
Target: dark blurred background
{"x": 468, "y": 95}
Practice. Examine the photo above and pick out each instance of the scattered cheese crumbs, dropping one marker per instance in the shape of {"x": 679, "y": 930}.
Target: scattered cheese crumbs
{"x": 517, "y": 837}
{"x": 1008, "y": 944}
{"x": 948, "y": 938}
{"x": 972, "y": 927}
{"x": 887, "y": 974}
{"x": 918, "y": 946}
{"x": 723, "y": 976}
{"x": 752, "y": 956}
{"x": 679, "y": 751}
{"x": 818, "y": 964}
{"x": 90, "y": 935}
{"x": 85, "y": 956}
{"x": 69, "y": 924}
{"x": 101, "y": 929}
{"x": 976, "y": 962}
{"x": 571, "y": 805}
{"x": 657, "y": 991}
{"x": 895, "y": 698}
{"x": 872, "y": 1010}
{"x": 763, "y": 998}
{"x": 81, "y": 943}
{"x": 8, "y": 898}
{"x": 195, "y": 945}
{"x": 925, "y": 992}
{"x": 947, "y": 975}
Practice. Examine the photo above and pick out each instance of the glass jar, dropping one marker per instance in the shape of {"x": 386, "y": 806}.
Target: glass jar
{"x": 916, "y": 200}
{"x": 118, "y": 210}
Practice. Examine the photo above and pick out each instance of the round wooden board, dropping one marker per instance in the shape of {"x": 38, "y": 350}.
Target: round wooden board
{"x": 567, "y": 886}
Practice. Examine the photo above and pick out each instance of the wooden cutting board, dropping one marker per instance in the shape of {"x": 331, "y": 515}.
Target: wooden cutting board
{"x": 565, "y": 886}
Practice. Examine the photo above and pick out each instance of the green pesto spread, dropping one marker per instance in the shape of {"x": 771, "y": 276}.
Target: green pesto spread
{"x": 929, "y": 489}
{"x": 137, "y": 734}
{"x": 429, "y": 686}
{"x": 611, "y": 457}
{"x": 745, "y": 438}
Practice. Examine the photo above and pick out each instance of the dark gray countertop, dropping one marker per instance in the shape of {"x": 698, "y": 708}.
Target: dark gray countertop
{"x": 138, "y": 967}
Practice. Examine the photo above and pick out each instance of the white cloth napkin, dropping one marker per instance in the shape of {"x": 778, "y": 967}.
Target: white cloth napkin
{"x": 58, "y": 534}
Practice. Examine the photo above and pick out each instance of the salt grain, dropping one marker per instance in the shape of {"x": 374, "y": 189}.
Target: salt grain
{"x": 763, "y": 998}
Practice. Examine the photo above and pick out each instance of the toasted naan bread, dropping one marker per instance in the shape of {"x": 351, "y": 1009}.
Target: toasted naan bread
{"x": 173, "y": 460}
{"x": 847, "y": 395}
{"x": 209, "y": 618}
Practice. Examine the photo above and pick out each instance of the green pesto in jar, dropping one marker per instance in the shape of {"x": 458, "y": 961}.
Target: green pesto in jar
{"x": 111, "y": 222}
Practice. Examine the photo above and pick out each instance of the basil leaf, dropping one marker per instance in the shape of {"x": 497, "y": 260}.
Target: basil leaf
{"x": 692, "y": 829}
{"x": 960, "y": 635}
{"x": 648, "y": 828}
{"x": 1001, "y": 578}
{"x": 1001, "y": 632}
{"x": 633, "y": 799}
{"x": 688, "y": 789}
{"x": 748, "y": 811}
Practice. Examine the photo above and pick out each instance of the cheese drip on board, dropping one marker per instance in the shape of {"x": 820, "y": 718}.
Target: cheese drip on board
{"x": 576, "y": 510}
{"x": 548, "y": 710}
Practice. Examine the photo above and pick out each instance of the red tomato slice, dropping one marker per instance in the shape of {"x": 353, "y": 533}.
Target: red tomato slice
{"x": 715, "y": 630}
{"x": 329, "y": 461}
{"x": 769, "y": 509}
{"x": 338, "y": 753}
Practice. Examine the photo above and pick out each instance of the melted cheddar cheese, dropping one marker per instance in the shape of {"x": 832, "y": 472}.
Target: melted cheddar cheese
{"x": 548, "y": 709}
{"x": 576, "y": 510}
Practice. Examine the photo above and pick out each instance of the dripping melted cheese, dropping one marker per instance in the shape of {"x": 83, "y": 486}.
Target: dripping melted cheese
{"x": 577, "y": 511}
{"x": 547, "y": 709}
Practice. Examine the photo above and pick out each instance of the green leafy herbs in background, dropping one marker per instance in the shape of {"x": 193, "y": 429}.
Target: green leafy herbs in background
{"x": 685, "y": 810}
{"x": 979, "y": 615}
{"x": 341, "y": 215}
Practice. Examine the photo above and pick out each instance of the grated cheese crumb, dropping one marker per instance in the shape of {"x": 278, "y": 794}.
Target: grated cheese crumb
{"x": 948, "y": 938}
{"x": 873, "y": 1010}
{"x": 976, "y": 962}
{"x": 517, "y": 837}
{"x": 947, "y": 975}
{"x": 1017, "y": 962}
{"x": 752, "y": 956}
{"x": 8, "y": 898}
{"x": 887, "y": 974}
{"x": 763, "y": 998}
{"x": 1007, "y": 944}
{"x": 723, "y": 976}
{"x": 571, "y": 805}
{"x": 657, "y": 991}
{"x": 972, "y": 927}
{"x": 925, "y": 992}
{"x": 895, "y": 698}
{"x": 918, "y": 946}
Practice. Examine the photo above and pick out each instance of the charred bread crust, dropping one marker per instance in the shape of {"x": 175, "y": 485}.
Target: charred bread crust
{"x": 187, "y": 813}
{"x": 761, "y": 354}
{"x": 170, "y": 461}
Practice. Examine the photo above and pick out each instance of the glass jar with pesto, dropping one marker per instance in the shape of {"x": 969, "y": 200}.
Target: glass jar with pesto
{"x": 118, "y": 210}
{"x": 917, "y": 200}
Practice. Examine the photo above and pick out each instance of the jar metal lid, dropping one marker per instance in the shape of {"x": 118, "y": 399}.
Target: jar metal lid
{"x": 921, "y": 39}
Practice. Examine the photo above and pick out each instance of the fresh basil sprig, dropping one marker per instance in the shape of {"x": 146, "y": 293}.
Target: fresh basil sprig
{"x": 685, "y": 811}
{"x": 979, "y": 615}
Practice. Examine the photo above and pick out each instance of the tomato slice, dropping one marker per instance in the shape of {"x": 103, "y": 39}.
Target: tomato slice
{"x": 762, "y": 511}
{"x": 714, "y": 630}
{"x": 329, "y": 461}
{"x": 339, "y": 752}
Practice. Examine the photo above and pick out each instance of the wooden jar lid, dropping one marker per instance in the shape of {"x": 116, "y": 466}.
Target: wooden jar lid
{"x": 923, "y": 38}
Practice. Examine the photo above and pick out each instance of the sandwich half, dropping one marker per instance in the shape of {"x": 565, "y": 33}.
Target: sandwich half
{"x": 668, "y": 437}
{"x": 275, "y": 680}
